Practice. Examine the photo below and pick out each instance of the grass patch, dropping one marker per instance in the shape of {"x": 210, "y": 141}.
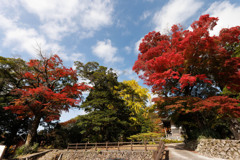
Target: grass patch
{"x": 26, "y": 149}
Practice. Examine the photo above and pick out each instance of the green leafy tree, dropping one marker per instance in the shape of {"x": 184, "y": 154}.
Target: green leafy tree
{"x": 60, "y": 135}
{"x": 102, "y": 126}
{"x": 108, "y": 115}
{"x": 12, "y": 129}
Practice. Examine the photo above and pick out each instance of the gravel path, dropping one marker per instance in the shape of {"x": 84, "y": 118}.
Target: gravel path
{"x": 177, "y": 152}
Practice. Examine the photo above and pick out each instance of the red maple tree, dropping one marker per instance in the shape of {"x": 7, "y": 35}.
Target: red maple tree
{"x": 188, "y": 56}
{"x": 192, "y": 63}
{"x": 49, "y": 89}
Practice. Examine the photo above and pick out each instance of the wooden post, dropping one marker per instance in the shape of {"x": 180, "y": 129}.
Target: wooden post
{"x": 86, "y": 146}
{"x": 145, "y": 145}
{"x": 167, "y": 155}
{"x": 76, "y": 146}
{"x": 131, "y": 146}
{"x": 160, "y": 151}
{"x": 106, "y": 146}
{"x": 118, "y": 147}
{"x": 95, "y": 146}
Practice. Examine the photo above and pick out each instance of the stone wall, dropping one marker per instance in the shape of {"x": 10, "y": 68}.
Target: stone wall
{"x": 226, "y": 149}
{"x": 98, "y": 155}
{"x": 33, "y": 156}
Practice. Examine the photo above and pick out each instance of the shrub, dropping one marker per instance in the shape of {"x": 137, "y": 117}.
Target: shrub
{"x": 26, "y": 149}
{"x": 149, "y": 136}
{"x": 171, "y": 141}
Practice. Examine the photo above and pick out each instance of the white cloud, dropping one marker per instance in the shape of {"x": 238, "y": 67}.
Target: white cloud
{"x": 72, "y": 57}
{"x": 137, "y": 46}
{"x": 125, "y": 72}
{"x": 52, "y": 10}
{"x": 60, "y": 17}
{"x": 77, "y": 57}
{"x": 228, "y": 14}
{"x": 145, "y": 15}
{"x": 128, "y": 74}
{"x": 97, "y": 14}
{"x": 53, "y": 20}
{"x": 175, "y": 12}
{"x": 6, "y": 24}
{"x": 56, "y": 32}
{"x": 11, "y": 8}
{"x": 105, "y": 51}
{"x": 24, "y": 39}
{"x": 128, "y": 49}
{"x": 19, "y": 36}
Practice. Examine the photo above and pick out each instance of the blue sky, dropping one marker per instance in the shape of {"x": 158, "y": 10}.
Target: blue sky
{"x": 105, "y": 31}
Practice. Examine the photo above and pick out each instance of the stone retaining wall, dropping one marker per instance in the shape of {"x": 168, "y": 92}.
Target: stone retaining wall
{"x": 34, "y": 155}
{"x": 99, "y": 155}
{"x": 226, "y": 149}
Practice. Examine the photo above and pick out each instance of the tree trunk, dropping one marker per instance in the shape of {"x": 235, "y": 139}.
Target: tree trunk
{"x": 235, "y": 128}
{"x": 32, "y": 131}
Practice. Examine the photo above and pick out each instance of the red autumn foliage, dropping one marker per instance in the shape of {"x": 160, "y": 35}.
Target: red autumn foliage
{"x": 186, "y": 60}
{"x": 187, "y": 57}
{"x": 229, "y": 107}
{"x": 223, "y": 105}
{"x": 50, "y": 88}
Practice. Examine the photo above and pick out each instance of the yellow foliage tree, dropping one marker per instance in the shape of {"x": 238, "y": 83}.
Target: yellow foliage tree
{"x": 135, "y": 97}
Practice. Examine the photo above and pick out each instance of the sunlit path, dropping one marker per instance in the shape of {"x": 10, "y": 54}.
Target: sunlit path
{"x": 177, "y": 152}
